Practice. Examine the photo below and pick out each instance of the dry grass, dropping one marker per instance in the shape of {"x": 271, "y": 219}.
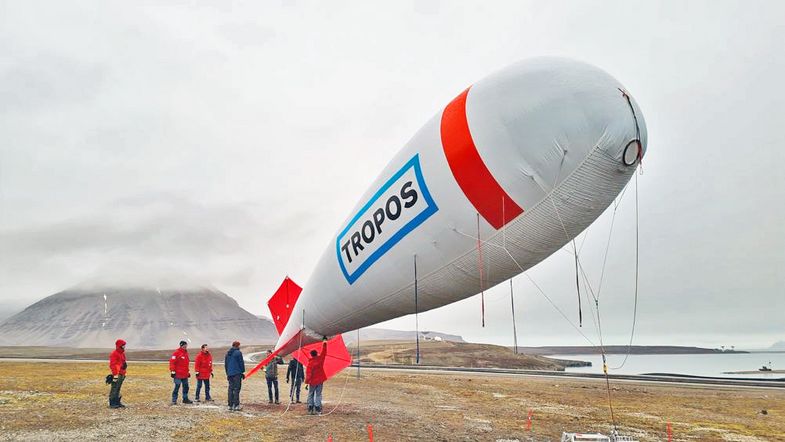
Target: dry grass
{"x": 67, "y": 401}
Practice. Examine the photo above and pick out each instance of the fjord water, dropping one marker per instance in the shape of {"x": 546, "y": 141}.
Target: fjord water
{"x": 712, "y": 364}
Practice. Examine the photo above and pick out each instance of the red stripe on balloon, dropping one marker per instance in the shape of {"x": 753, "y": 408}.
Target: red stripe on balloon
{"x": 471, "y": 173}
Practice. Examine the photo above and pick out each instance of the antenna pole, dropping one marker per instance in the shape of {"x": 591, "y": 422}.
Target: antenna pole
{"x": 514, "y": 331}
{"x": 416, "y": 314}
{"x": 358, "y": 353}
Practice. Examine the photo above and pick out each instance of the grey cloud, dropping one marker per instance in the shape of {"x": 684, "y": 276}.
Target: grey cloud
{"x": 47, "y": 81}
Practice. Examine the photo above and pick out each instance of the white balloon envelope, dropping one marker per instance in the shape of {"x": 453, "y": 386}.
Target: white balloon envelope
{"x": 507, "y": 173}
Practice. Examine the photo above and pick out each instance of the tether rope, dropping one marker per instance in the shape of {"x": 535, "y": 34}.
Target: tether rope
{"x": 637, "y": 266}
{"x": 566, "y": 318}
{"x": 297, "y": 372}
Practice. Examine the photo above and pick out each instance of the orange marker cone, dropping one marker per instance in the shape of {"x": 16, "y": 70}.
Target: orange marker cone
{"x": 370, "y": 433}
{"x": 529, "y": 420}
{"x": 329, "y": 438}
{"x": 670, "y": 432}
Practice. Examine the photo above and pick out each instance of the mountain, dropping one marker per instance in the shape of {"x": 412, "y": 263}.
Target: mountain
{"x": 383, "y": 334}
{"x": 146, "y": 317}
{"x": 777, "y": 346}
{"x": 386, "y": 334}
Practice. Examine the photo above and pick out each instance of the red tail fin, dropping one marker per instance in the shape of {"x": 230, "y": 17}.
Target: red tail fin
{"x": 282, "y": 303}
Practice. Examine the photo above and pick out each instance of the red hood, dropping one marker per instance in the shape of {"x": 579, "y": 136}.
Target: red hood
{"x": 118, "y": 344}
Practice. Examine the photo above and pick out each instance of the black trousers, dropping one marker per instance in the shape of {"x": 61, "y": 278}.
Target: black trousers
{"x": 235, "y": 384}
{"x": 206, "y": 383}
{"x": 177, "y": 383}
{"x": 114, "y": 393}
{"x": 294, "y": 392}
{"x": 272, "y": 383}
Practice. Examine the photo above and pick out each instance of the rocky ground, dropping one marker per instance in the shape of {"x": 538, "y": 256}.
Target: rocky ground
{"x": 67, "y": 401}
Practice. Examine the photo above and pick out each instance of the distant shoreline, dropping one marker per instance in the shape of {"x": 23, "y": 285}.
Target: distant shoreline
{"x": 623, "y": 349}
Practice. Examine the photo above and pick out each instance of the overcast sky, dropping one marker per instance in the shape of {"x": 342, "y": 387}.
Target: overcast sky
{"x": 226, "y": 143}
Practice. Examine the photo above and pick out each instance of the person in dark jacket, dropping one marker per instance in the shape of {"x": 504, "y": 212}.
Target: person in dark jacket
{"x": 118, "y": 366}
{"x": 203, "y": 366}
{"x": 315, "y": 378}
{"x": 179, "y": 369}
{"x": 235, "y": 373}
{"x": 297, "y": 373}
{"x": 271, "y": 375}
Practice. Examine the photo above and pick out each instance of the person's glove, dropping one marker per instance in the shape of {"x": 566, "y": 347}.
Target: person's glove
{"x": 109, "y": 378}
{"x": 287, "y": 380}
{"x": 197, "y": 374}
{"x": 243, "y": 375}
{"x": 125, "y": 365}
{"x": 212, "y": 375}
{"x": 172, "y": 373}
{"x": 306, "y": 386}
{"x": 324, "y": 338}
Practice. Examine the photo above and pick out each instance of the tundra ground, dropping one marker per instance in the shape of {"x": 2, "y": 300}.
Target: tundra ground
{"x": 67, "y": 401}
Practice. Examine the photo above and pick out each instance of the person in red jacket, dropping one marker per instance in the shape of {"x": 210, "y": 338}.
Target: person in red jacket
{"x": 118, "y": 366}
{"x": 203, "y": 366}
{"x": 315, "y": 378}
{"x": 178, "y": 368}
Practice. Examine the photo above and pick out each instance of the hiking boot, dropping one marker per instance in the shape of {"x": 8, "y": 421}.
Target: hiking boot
{"x": 197, "y": 401}
{"x": 173, "y": 403}
{"x": 238, "y": 408}
{"x": 318, "y": 411}
{"x": 187, "y": 401}
{"x": 277, "y": 402}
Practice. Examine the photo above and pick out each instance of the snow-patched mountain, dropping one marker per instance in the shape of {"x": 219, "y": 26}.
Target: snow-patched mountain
{"x": 145, "y": 317}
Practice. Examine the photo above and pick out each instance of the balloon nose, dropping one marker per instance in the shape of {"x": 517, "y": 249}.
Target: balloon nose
{"x": 633, "y": 152}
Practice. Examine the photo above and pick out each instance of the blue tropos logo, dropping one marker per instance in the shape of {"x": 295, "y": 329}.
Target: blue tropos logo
{"x": 402, "y": 204}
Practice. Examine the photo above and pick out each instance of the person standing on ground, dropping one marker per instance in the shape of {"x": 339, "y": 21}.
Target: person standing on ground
{"x": 179, "y": 369}
{"x": 235, "y": 373}
{"x": 203, "y": 366}
{"x": 315, "y": 378}
{"x": 118, "y": 366}
{"x": 297, "y": 373}
{"x": 271, "y": 375}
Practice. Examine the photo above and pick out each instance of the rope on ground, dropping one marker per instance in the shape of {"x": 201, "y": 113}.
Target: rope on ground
{"x": 340, "y": 398}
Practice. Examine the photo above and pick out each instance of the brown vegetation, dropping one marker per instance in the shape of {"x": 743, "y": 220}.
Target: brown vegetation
{"x": 67, "y": 401}
{"x": 452, "y": 354}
